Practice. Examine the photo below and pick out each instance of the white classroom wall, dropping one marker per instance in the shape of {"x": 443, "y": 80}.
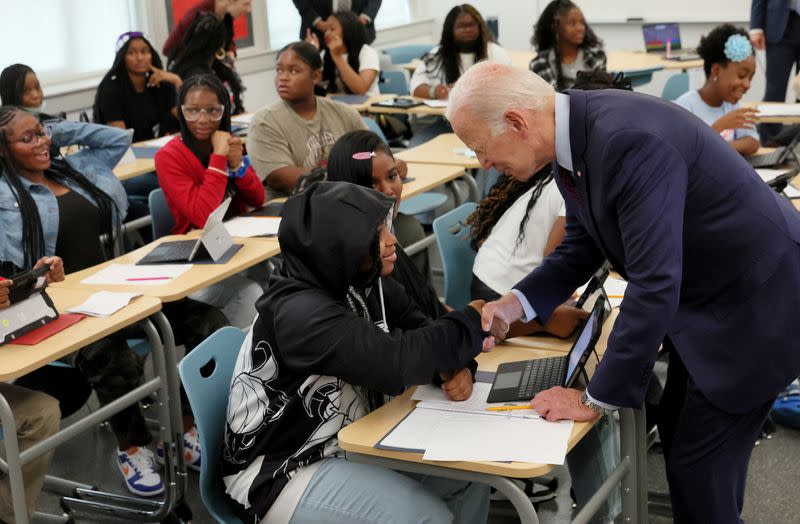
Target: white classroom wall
{"x": 609, "y": 19}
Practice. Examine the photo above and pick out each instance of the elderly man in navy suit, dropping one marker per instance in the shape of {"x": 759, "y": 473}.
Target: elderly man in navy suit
{"x": 775, "y": 26}
{"x": 710, "y": 253}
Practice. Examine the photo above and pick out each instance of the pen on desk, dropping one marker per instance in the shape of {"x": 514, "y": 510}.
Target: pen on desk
{"x": 616, "y": 296}
{"x": 509, "y": 408}
{"x": 138, "y": 279}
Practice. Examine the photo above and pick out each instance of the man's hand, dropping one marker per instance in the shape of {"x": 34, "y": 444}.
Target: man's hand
{"x": 363, "y": 19}
{"x": 489, "y": 341}
{"x": 564, "y": 320}
{"x": 5, "y": 285}
{"x": 457, "y": 385}
{"x": 507, "y": 309}
{"x": 758, "y": 40}
{"x": 562, "y": 404}
{"x": 56, "y": 271}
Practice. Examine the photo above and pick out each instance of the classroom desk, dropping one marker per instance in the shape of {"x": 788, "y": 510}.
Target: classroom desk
{"x": 429, "y": 176}
{"x": 253, "y": 251}
{"x": 440, "y": 150}
{"x": 563, "y": 345}
{"x": 140, "y": 166}
{"x": 421, "y": 110}
{"x": 774, "y": 119}
{"x": 362, "y": 107}
{"x": 17, "y": 360}
{"x": 359, "y": 440}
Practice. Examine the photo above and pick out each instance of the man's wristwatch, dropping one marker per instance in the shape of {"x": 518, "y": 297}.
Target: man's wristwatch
{"x": 591, "y": 404}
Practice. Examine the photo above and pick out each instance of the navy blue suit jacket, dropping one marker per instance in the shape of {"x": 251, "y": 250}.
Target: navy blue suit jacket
{"x": 710, "y": 253}
{"x": 771, "y": 16}
{"x": 311, "y": 9}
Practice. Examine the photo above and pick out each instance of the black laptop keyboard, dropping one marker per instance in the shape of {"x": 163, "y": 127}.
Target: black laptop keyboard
{"x": 767, "y": 159}
{"x": 176, "y": 251}
{"x": 541, "y": 374}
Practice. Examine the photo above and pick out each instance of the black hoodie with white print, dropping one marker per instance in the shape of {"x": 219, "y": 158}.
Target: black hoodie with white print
{"x": 324, "y": 343}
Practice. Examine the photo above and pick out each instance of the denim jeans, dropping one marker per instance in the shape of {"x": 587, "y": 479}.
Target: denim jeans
{"x": 235, "y": 296}
{"x": 342, "y": 492}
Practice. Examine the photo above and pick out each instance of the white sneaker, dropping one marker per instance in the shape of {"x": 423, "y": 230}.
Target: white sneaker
{"x": 138, "y": 468}
{"x": 191, "y": 450}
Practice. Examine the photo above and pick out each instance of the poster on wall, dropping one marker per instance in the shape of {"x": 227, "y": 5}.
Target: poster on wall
{"x": 242, "y": 26}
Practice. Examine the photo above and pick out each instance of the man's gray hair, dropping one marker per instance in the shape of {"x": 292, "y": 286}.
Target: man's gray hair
{"x": 489, "y": 89}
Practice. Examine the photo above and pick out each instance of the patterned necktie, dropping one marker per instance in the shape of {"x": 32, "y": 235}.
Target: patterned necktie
{"x": 569, "y": 184}
{"x": 342, "y": 5}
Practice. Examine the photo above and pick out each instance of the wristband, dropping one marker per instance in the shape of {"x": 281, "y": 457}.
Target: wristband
{"x": 240, "y": 171}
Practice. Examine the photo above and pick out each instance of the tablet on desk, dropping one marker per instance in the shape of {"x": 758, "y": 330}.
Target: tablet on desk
{"x": 398, "y": 103}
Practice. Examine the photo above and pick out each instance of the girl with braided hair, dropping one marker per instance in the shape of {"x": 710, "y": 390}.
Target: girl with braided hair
{"x": 565, "y": 45}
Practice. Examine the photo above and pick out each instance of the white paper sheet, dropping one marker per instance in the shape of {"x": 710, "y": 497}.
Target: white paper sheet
{"x": 436, "y": 103}
{"x": 253, "y": 226}
{"x": 432, "y": 397}
{"x": 156, "y": 142}
{"x": 413, "y": 432}
{"x": 472, "y": 437}
{"x": 463, "y": 151}
{"x": 768, "y": 174}
{"x": 791, "y": 191}
{"x": 242, "y": 119}
{"x": 133, "y": 275}
{"x": 127, "y": 158}
{"x": 104, "y": 303}
{"x": 778, "y": 110}
{"x": 615, "y": 289}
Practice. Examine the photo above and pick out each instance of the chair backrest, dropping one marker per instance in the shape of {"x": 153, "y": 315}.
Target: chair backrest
{"x": 208, "y": 396}
{"x": 453, "y": 238}
{"x": 640, "y": 77}
{"x": 373, "y": 126}
{"x": 675, "y": 86}
{"x": 404, "y": 54}
{"x": 160, "y": 214}
{"x": 393, "y": 82}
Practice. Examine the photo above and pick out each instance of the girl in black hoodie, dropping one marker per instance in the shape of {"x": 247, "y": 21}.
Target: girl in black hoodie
{"x": 330, "y": 339}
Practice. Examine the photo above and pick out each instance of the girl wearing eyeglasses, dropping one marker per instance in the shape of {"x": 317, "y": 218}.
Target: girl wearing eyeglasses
{"x": 202, "y": 167}
{"x": 137, "y": 93}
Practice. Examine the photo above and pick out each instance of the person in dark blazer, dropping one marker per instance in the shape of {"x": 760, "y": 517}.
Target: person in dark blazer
{"x": 775, "y": 26}
{"x": 710, "y": 254}
{"x": 315, "y": 13}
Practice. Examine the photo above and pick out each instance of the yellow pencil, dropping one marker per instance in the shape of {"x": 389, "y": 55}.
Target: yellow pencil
{"x": 508, "y": 408}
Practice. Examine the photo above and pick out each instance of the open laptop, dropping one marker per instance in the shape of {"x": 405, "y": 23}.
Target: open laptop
{"x": 515, "y": 381}
{"x": 215, "y": 244}
{"x": 656, "y": 37}
{"x": 777, "y": 157}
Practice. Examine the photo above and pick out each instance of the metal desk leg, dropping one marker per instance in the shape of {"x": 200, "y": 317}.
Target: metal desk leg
{"x": 457, "y": 200}
{"x": 517, "y": 497}
{"x": 14, "y": 463}
{"x": 633, "y": 448}
{"x": 474, "y": 192}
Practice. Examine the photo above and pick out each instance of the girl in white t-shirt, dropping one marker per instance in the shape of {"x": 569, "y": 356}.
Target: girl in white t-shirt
{"x": 513, "y": 229}
{"x": 350, "y": 65}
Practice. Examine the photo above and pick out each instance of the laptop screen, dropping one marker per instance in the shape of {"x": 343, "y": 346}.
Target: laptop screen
{"x": 582, "y": 343}
{"x": 656, "y": 36}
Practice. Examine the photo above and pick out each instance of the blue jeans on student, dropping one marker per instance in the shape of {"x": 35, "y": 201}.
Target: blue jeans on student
{"x": 342, "y": 492}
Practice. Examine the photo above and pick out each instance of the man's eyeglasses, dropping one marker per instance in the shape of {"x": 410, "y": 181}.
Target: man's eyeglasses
{"x": 193, "y": 114}
{"x": 33, "y": 138}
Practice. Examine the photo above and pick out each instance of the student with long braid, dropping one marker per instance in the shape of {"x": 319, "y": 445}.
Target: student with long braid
{"x": 66, "y": 207}
{"x": 565, "y": 45}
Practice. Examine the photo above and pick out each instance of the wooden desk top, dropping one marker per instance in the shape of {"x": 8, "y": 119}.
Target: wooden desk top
{"x": 364, "y": 107}
{"x": 140, "y": 166}
{"x": 362, "y": 435}
{"x": 563, "y": 345}
{"x": 774, "y": 119}
{"x": 416, "y": 110}
{"x": 429, "y": 176}
{"x": 200, "y": 276}
{"x": 440, "y": 150}
{"x": 16, "y": 360}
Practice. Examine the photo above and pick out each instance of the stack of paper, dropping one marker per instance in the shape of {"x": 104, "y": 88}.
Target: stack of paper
{"x": 104, "y": 303}
{"x": 436, "y": 103}
{"x": 253, "y": 226}
{"x": 615, "y": 289}
{"x": 156, "y": 142}
{"x": 791, "y": 191}
{"x": 767, "y": 175}
{"x": 778, "y": 110}
{"x": 133, "y": 275}
{"x": 447, "y": 430}
{"x": 242, "y": 119}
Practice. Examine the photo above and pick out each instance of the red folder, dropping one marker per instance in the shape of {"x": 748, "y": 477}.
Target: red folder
{"x": 63, "y": 321}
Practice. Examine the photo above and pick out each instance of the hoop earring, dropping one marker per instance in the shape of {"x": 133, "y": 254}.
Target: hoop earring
{"x": 220, "y": 54}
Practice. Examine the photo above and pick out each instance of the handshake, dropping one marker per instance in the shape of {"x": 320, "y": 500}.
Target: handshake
{"x": 500, "y": 317}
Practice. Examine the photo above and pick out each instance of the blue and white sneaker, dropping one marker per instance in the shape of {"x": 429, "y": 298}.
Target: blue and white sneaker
{"x": 191, "y": 450}
{"x": 138, "y": 468}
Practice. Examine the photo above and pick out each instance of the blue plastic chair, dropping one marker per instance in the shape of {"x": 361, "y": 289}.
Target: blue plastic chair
{"x": 640, "y": 77}
{"x": 393, "y": 82}
{"x": 404, "y": 54}
{"x": 208, "y": 396}
{"x": 373, "y": 126}
{"x": 160, "y": 214}
{"x": 676, "y": 85}
{"x": 454, "y": 241}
